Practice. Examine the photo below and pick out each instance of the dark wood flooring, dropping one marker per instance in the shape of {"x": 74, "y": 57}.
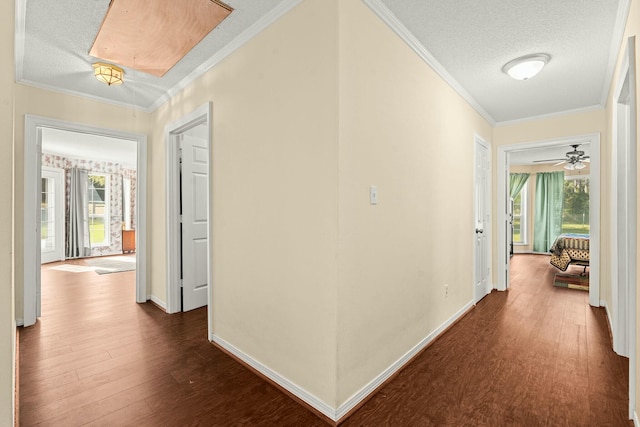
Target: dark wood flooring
{"x": 533, "y": 356}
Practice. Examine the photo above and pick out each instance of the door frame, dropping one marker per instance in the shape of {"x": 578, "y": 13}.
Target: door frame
{"x": 594, "y": 208}
{"x": 202, "y": 115}
{"x": 488, "y": 232}
{"x": 59, "y": 211}
{"x": 32, "y": 174}
{"x": 624, "y": 149}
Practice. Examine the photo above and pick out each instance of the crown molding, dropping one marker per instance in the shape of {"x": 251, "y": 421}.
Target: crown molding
{"x": 227, "y": 50}
{"x": 550, "y": 115}
{"x": 392, "y": 21}
{"x": 614, "y": 49}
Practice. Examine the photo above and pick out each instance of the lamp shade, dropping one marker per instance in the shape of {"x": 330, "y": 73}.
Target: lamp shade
{"x": 108, "y": 73}
{"x": 525, "y": 67}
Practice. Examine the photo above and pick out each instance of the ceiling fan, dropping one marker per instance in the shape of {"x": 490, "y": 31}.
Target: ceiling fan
{"x": 575, "y": 159}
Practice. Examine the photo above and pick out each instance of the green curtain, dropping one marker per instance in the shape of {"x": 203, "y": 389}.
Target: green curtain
{"x": 516, "y": 182}
{"x": 548, "y": 209}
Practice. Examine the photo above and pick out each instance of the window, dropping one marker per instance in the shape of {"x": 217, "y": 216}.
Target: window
{"x": 575, "y": 211}
{"x": 98, "y": 199}
{"x": 520, "y": 216}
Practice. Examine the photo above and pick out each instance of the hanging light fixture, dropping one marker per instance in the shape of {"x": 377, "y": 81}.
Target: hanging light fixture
{"x": 108, "y": 73}
{"x": 525, "y": 67}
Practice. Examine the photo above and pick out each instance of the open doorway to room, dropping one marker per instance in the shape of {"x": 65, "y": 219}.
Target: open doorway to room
{"x": 88, "y": 195}
{"x": 88, "y": 211}
{"x": 189, "y": 231}
{"x": 549, "y": 204}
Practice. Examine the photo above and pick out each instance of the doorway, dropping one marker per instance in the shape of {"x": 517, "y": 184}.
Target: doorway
{"x": 189, "y": 233}
{"x": 504, "y": 207}
{"x": 34, "y": 128}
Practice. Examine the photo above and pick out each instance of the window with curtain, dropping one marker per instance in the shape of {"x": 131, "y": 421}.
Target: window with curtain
{"x": 518, "y": 193}
{"x": 98, "y": 201}
{"x": 575, "y": 213}
{"x": 520, "y": 217}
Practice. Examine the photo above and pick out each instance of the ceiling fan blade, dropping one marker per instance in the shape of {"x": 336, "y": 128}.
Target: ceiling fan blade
{"x": 560, "y": 163}
{"x": 548, "y": 160}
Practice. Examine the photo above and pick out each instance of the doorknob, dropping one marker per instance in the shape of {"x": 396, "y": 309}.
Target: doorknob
{"x": 479, "y": 230}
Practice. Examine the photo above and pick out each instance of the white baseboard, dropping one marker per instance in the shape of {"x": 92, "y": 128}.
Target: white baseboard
{"x": 636, "y": 421}
{"x": 603, "y": 303}
{"x": 157, "y": 301}
{"x": 359, "y": 396}
{"x": 19, "y": 322}
{"x": 291, "y": 387}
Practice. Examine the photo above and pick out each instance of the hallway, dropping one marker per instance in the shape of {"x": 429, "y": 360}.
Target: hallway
{"x": 533, "y": 356}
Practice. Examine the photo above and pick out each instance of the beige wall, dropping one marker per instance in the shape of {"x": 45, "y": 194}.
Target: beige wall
{"x": 531, "y": 182}
{"x": 7, "y": 315}
{"x": 274, "y": 195}
{"x": 403, "y": 129}
{"x": 632, "y": 29}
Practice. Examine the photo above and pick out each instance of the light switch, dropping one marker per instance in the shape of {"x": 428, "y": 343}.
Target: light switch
{"x": 373, "y": 195}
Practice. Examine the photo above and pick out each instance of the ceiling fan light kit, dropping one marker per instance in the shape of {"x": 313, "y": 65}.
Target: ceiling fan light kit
{"x": 525, "y": 67}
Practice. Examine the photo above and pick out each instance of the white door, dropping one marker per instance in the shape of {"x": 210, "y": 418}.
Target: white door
{"x": 195, "y": 201}
{"x": 482, "y": 271}
{"x": 52, "y": 215}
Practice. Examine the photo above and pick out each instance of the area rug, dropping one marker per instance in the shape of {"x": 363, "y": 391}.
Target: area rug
{"x": 571, "y": 281}
{"x": 115, "y": 264}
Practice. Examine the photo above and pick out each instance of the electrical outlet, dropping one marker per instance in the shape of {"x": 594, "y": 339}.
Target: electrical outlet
{"x": 446, "y": 290}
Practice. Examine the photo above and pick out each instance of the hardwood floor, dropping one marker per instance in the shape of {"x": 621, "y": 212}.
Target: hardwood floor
{"x": 533, "y": 356}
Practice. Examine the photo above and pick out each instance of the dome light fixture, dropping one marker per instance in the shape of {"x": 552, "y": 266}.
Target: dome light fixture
{"x": 527, "y": 66}
{"x": 108, "y": 73}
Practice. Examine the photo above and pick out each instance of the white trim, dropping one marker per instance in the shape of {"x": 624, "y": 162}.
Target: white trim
{"x": 594, "y": 206}
{"x": 157, "y": 301}
{"x": 624, "y": 153}
{"x": 32, "y": 162}
{"x": 283, "y": 382}
{"x": 19, "y": 322}
{"x": 272, "y": 16}
{"x": 360, "y": 395}
{"x": 502, "y": 215}
{"x": 550, "y": 115}
{"x": 616, "y": 43}
{"x": 394, "y": 23}
{"x": 83, "y": 95}
{"x": 18, "y": 43}
{"x": 636, "y": 421}
{"x": 202, "y": 115}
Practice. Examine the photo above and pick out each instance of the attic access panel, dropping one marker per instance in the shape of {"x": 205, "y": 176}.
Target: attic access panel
{"x": 153, "y": 35}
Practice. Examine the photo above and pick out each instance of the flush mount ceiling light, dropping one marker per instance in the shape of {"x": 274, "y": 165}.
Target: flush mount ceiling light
{"x": 525, "y": 67}
{"x": 108, "y": 73}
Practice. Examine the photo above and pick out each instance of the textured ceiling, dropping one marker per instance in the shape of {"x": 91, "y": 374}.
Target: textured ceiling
{"x": 472, "y": 40}
{"x": 468, "y": 41}
{"x": 58, "y": 36}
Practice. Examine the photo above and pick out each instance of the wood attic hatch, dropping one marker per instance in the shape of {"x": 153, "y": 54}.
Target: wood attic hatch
{"x": 153, "y": 35}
